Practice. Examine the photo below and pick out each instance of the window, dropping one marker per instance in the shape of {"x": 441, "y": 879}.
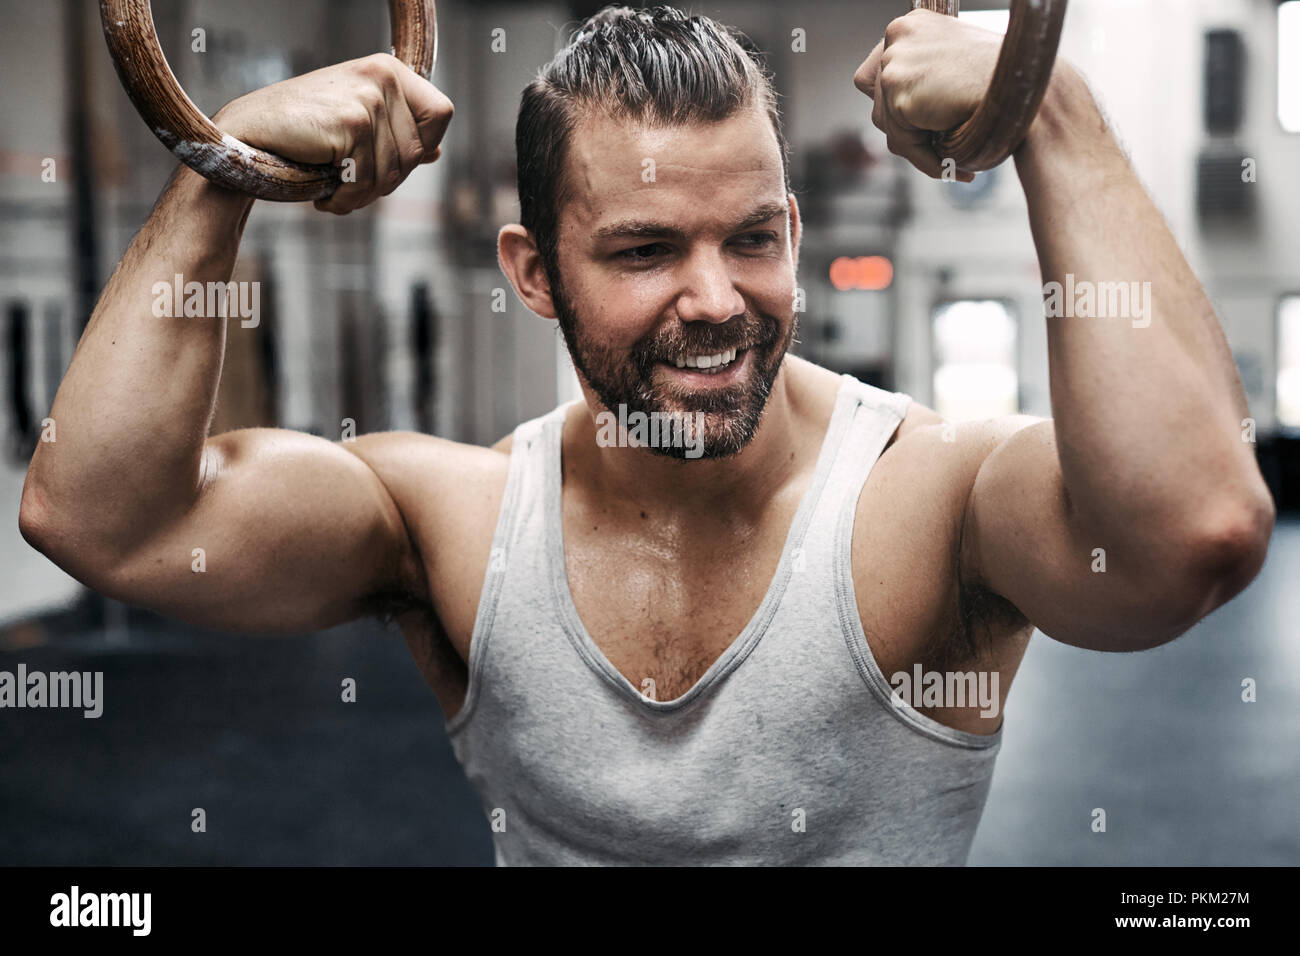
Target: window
{"x": 1288, "y": 65}
{"x": 975, "y": 373}
{"x": 1288, "y": 362}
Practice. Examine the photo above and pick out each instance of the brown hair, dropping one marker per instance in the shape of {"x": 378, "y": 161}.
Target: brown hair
{"x": 655, "y": 65}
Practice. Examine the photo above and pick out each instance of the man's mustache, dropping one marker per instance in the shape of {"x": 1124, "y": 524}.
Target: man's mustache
{"x": 755, "y": 331}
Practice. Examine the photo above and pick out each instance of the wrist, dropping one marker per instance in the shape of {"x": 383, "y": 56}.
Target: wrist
{"x": 1069, "y": 136}
{"x": 198, "y": 187}
{"x": 1067, "y": 112}
{"x": 206, "y": 204}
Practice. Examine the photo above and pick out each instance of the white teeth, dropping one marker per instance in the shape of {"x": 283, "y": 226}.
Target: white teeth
{"x": 706, "y": 361}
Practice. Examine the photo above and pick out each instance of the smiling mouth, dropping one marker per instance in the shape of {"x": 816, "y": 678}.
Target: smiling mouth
{"x": 708, "y": 364}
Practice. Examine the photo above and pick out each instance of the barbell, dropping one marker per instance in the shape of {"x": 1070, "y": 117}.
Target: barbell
{"x": 993, "y": 132}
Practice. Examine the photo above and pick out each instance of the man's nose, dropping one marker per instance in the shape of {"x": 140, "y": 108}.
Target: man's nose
{"x": 709, "y": 295}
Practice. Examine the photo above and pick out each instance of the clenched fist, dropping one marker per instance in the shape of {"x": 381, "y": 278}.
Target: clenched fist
{"x": 927, "y": 75}
{"x": 375, "y": 111}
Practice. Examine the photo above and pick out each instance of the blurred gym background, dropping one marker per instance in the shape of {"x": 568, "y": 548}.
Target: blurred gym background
{"x": 384, "y": 317}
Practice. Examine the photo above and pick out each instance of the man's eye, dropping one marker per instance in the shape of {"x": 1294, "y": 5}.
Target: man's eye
{"x": 758, "y": 240}
{"x": 640, "y": 253}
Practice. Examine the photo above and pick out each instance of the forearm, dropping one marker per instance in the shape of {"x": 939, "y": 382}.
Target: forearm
{"x": 132, "y": 413}
{"x": 1147, "y": 403}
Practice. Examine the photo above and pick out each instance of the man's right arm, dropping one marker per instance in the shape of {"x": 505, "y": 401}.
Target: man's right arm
{"x": 258, "y": 529}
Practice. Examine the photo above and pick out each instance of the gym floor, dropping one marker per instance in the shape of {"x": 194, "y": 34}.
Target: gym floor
{"x": 253, "y": 731}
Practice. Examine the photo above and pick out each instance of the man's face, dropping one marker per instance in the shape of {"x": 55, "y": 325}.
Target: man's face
{"x": 677, "y": 270}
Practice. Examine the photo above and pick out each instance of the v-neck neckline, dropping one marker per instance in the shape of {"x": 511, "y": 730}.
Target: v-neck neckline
{"x": 748, "y": 639}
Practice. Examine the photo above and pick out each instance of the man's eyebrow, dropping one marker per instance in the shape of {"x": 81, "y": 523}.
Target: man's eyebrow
{"x": 648, "y": 229}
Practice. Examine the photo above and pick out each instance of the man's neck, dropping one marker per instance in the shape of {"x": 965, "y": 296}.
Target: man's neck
{"x": 639, "y": 478}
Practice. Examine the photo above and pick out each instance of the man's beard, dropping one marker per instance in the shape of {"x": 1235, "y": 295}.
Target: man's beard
{"x": 730, "y": 415}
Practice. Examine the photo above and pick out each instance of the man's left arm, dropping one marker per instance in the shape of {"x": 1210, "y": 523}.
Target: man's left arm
{"x": 1140, "y": 508}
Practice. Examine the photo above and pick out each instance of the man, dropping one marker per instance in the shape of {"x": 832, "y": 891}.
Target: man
{"x": 674, "y": 650}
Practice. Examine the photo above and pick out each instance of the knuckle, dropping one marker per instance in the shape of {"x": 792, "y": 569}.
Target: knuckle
{"x": 379, "y": 66}
{"x": 440, "y": 105}
{"x": 355, "y": 117}
{"x": 366, "y": 67}
{"x": 340, "y": 142}
{"x": 412, "y": 151}
{"x": 361, "y": 123}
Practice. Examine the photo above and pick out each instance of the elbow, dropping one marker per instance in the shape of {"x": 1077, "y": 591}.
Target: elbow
{"x": 1228, "y": 547}
{"x": 1209, "y": 564}
{"x": 47, "y": 529}
{"x": 34, "y": 518}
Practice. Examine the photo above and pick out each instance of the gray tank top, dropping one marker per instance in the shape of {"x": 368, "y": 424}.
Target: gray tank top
{"x": 791, "y": 749}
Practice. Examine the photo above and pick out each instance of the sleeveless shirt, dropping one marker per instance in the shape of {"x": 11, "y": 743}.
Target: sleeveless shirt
{"x": 791, "y": 749}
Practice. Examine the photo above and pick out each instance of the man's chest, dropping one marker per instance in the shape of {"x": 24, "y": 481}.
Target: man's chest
{"x": 662, "y": 609}
{"x": 662, "y": 617}
{"x": 662, "y": 599}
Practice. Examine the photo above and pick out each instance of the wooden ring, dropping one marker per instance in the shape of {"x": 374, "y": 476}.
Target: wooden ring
{"x": 1024, "y": 68}
{"x": 191, "y": 136}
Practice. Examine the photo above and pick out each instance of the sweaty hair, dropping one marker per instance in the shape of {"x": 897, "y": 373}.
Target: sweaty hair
{"x": 656, "y": 66}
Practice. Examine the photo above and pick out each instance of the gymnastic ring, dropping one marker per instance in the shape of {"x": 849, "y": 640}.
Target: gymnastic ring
{"x": 1024, "y": 68}
{"x": 191, "y": 136}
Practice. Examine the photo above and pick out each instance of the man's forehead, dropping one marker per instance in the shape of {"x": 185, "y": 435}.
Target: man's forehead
{"x": 616, "y": 167}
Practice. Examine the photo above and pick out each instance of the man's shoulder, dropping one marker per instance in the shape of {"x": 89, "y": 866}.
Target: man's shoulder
{"x": 911, "y": 516}
{"x": 565, "y": 412}
{"x": 400, "y": 452}
{"x": 415, "y": 466}
{"x": 448, "y": 494}
{"x": 436, "y": 482}
{"x": 924, "y": 439}
{"x": 928, "y": 469}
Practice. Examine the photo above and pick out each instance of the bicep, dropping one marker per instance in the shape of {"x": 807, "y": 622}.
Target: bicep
{"x": 1023, "y": 540}
{"x": 288, "y": 532}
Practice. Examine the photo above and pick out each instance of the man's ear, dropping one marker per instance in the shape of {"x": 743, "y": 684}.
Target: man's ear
{"x": 521, "y": 261}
